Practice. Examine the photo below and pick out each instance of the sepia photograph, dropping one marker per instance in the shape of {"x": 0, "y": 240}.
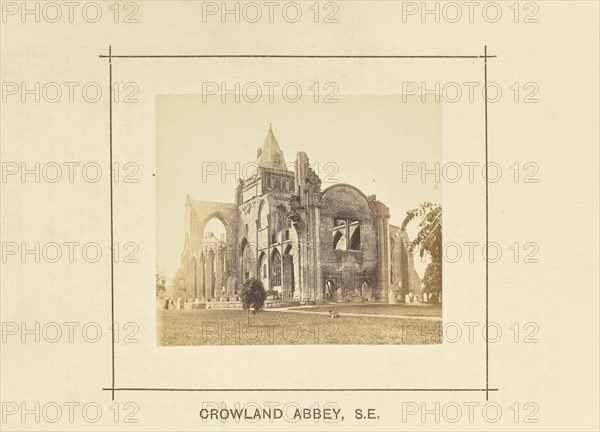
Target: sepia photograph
{"x": 261, "y": 241}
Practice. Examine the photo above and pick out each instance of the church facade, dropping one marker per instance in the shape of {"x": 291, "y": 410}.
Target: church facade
{"x": 306, "y": 243}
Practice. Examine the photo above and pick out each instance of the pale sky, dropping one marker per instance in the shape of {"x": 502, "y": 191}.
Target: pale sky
{"x": 361, "y": 140}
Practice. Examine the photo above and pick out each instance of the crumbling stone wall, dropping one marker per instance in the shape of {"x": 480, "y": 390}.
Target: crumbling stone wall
{"x": 349, "y": 268}
{"x": 404, "y": 278}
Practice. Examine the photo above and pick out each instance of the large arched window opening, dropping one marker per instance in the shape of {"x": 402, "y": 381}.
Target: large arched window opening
{"x": 263, "y": 215}
{"x": 215, "y": 267}
{"x": 214, "y": 232}
{"x": 355, "y": 237}
{"x": 246, "y": 260}
{"x": 346, "y": 234}
{"x": 288, "y": 273}
{"x": 282, "y": 219}
{"x": 339, "y": 240}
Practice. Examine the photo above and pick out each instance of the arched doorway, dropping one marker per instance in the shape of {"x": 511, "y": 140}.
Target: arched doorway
{"x": 263, "y": 270}
{"x": 330, "y": 290}
{"x": 245, "y": 260}
{"x": 289, "y": 287}
{"x": 276, "y": 271}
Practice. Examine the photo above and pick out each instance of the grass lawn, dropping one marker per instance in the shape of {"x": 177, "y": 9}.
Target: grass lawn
{"x": 417, "y": 309}
{"x": 230, "y": 327}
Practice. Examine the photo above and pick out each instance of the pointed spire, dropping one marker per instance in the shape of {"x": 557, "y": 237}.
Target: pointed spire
{"x": 270, "y": 155}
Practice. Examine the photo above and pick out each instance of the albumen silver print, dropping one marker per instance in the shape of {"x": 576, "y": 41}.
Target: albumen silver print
{"x": 298, "y": 245}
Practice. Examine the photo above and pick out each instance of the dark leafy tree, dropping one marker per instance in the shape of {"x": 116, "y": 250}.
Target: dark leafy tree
{"x": 253, "y": 295}
{"x": 428, "y": 241}
{"x": 432, "y": 280}
{"x": 429, "y": 238}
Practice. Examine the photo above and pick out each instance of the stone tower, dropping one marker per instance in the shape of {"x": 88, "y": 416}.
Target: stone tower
{"x": 270, "y": 155}
{"x": 304, "y": 243}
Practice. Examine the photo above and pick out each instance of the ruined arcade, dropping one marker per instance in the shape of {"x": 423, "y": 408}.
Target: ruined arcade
{"x": 306, "y": 243}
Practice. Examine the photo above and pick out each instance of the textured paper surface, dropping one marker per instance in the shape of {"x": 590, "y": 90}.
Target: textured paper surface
{"x": 61, "y": 368}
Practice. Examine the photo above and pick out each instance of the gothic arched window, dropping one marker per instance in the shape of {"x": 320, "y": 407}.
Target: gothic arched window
{"x": 355, "y": 239}
{"x": 282, "y": 218}
{"x": 276, "y": 266}
{"x": 339, "y": 240}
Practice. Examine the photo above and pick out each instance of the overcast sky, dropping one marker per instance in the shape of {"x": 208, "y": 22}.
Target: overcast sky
{"x": 361, "y": 140}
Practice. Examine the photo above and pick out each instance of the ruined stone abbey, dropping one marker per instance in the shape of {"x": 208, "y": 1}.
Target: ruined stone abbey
{"x": 305, "y": 243}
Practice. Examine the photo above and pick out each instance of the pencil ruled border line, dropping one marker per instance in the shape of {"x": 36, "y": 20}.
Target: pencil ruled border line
{"x": 487, "y": 272}
{"x": 112, "y": 251}
{"x": 160, "y": 389}
{"x": 485, "y": 57}
{"x": 154, "y": 56}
